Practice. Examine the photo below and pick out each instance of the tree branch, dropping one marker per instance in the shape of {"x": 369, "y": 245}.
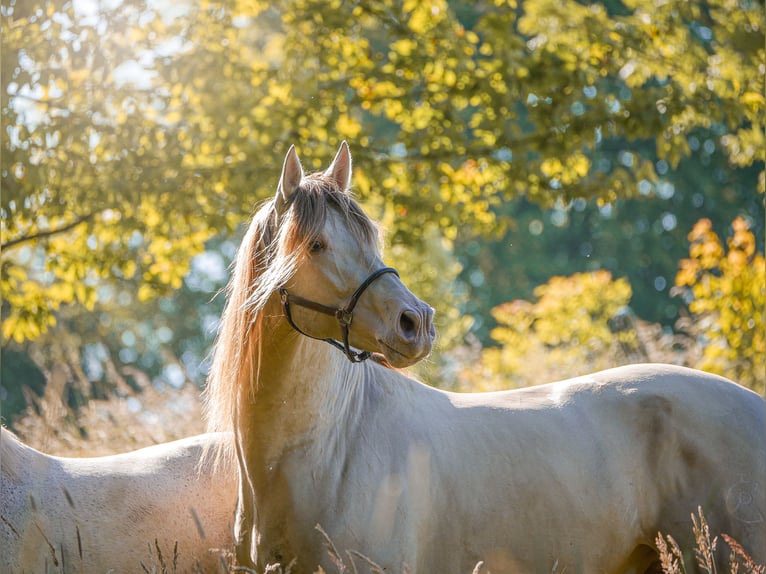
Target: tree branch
{"x": 48, "y": 233}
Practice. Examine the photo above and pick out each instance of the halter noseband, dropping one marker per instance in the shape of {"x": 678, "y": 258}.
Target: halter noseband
{"x": 344, "y": 315}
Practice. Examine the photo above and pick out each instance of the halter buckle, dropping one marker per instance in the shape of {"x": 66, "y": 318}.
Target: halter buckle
{"x": 344, "y": 317}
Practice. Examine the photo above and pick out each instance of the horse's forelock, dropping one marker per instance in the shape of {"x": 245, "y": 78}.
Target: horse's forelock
{"x": 307, "y": 212}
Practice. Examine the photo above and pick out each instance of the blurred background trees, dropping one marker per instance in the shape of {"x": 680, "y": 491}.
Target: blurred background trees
{"x": 501, "y": 143}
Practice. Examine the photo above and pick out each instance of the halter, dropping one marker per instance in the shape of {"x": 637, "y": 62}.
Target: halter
{"x": 344, "y": 315}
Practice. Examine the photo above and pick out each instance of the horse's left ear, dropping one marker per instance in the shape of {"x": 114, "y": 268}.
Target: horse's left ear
{"x": 340, "y": 168}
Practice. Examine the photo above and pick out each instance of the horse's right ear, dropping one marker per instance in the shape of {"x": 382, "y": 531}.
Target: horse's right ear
{"x": 292, "y": 174}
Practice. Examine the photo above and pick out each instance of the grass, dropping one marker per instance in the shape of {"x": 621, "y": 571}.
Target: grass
{"x": 674, "y": 561}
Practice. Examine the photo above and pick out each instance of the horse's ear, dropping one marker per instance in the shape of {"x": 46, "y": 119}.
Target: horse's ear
{"x": 292, "y": 174}
{"x": 340, "y": 168}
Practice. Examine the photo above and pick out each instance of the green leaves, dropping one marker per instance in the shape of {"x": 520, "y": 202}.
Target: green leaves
{"x": 166, "y": 131}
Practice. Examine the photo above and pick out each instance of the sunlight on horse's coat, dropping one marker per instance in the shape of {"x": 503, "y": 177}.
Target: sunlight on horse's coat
{"x": 576, "y": 476}
{"x": 113, "y": 513}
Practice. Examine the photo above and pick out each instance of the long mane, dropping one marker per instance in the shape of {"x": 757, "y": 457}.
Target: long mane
{"x": 273, "y": 247}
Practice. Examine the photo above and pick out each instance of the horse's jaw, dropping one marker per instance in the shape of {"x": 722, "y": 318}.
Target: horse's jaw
{"x": 401, "y": 358}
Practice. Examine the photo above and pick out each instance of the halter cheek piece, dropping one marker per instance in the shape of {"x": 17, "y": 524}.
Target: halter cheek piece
{"x": 344, "y": 315}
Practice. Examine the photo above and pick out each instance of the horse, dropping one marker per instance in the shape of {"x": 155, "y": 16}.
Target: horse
{"x": 164, "y": 508}
{"x": 574, "y": 476}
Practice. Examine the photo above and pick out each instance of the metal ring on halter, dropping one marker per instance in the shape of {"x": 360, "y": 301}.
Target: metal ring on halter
{"x": 344, "y": 315}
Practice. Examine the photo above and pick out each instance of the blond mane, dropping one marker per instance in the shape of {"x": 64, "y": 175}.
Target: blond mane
{"x": 274, "y": 245}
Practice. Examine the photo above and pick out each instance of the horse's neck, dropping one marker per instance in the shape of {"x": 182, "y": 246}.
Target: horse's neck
{"x": 302, "y": 391}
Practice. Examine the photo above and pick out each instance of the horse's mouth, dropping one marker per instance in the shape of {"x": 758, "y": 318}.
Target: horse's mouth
{"x": 397, "y": 357}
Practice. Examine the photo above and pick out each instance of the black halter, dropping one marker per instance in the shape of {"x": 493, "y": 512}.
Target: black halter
{"x": 344, "y": 315}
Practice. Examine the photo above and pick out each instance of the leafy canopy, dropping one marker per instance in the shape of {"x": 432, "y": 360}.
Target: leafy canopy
{"x": 133, "y": 135}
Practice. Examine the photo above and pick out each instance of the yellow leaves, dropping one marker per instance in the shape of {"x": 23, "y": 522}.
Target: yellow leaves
{"x": 729, "y": 288}
{"x": 32, "y": 300}
{"x": 705, "y": 246}
{"x": 250, "y": 8}
{"x": 419, "y": 118}
{"x": 689, "y": 270}
{"x": 580, "y": 164}
{"x": 598, "y": 53}
{"x": 129, "y": 269}
{"x": 746, "y": 145}
{"x": 568, "y": 322}
{"x": 576, "y": 309}
{"x": 743, "y": 240}
{"x": 348, "y": 127}
{"x": 754, "y": 100}
{"x": 575, "y": 167}
{"x": 552, "y": 167}
{"x": 145, "y": 292}
{"x": 21, "y": 328}
{"x": 151, "y": 216}
{"x": 424, "y": 14}
{"x": 404, "y": 47}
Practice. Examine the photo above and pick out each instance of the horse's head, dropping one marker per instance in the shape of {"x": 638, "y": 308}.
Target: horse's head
{"x": 339, "y": 288}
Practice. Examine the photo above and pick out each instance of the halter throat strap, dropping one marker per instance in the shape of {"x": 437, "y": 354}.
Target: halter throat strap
{"x": 344, "y": 315}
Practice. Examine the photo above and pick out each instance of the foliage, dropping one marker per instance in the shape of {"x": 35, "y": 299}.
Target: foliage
{"x": 90, "y": 165}
{"x": 641, "y": 239}
{"x": 138, "y": 136}
{"x": 727, "y": 294}
{"x": 119, "y": 117}
{"x": 569, "y": 321}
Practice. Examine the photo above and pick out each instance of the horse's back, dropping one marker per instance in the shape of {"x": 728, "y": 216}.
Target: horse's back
{"x": 609, "y": 458}
{"x": 117, "y": 512}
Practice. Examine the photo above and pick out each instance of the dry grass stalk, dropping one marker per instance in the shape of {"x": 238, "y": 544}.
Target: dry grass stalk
{"x": 739, "y": 556}
{"x": 672, "y": 559}
{"x": 374, "y": 567}
{"x": 705, "y": 549}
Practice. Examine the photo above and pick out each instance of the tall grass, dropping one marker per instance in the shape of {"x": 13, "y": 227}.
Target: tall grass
{"x": 674, "y": 560}
{"x": 133, "y": 419}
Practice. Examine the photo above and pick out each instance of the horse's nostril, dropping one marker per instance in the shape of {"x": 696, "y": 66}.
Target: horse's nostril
{"x": 408, "y": 324}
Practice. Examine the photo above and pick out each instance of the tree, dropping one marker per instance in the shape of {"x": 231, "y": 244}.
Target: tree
{"x": 726, "y": 292}
{"x": 641, "y": 239}
{"x": 568, "y": 324}
{"x": 90, "y": 165}
{"x": 133, "y": 136}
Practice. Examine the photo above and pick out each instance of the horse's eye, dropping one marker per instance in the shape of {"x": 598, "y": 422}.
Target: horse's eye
{"x": 317, "y": 246}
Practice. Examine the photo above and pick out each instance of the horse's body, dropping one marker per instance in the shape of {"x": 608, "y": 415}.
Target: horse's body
{"x": 577, "y": 476}
{"x": 113, "y": 513}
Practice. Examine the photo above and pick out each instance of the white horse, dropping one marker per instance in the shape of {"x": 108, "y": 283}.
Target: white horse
{"x": 575, "y": 476}
{"x": 165, "y": 505}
